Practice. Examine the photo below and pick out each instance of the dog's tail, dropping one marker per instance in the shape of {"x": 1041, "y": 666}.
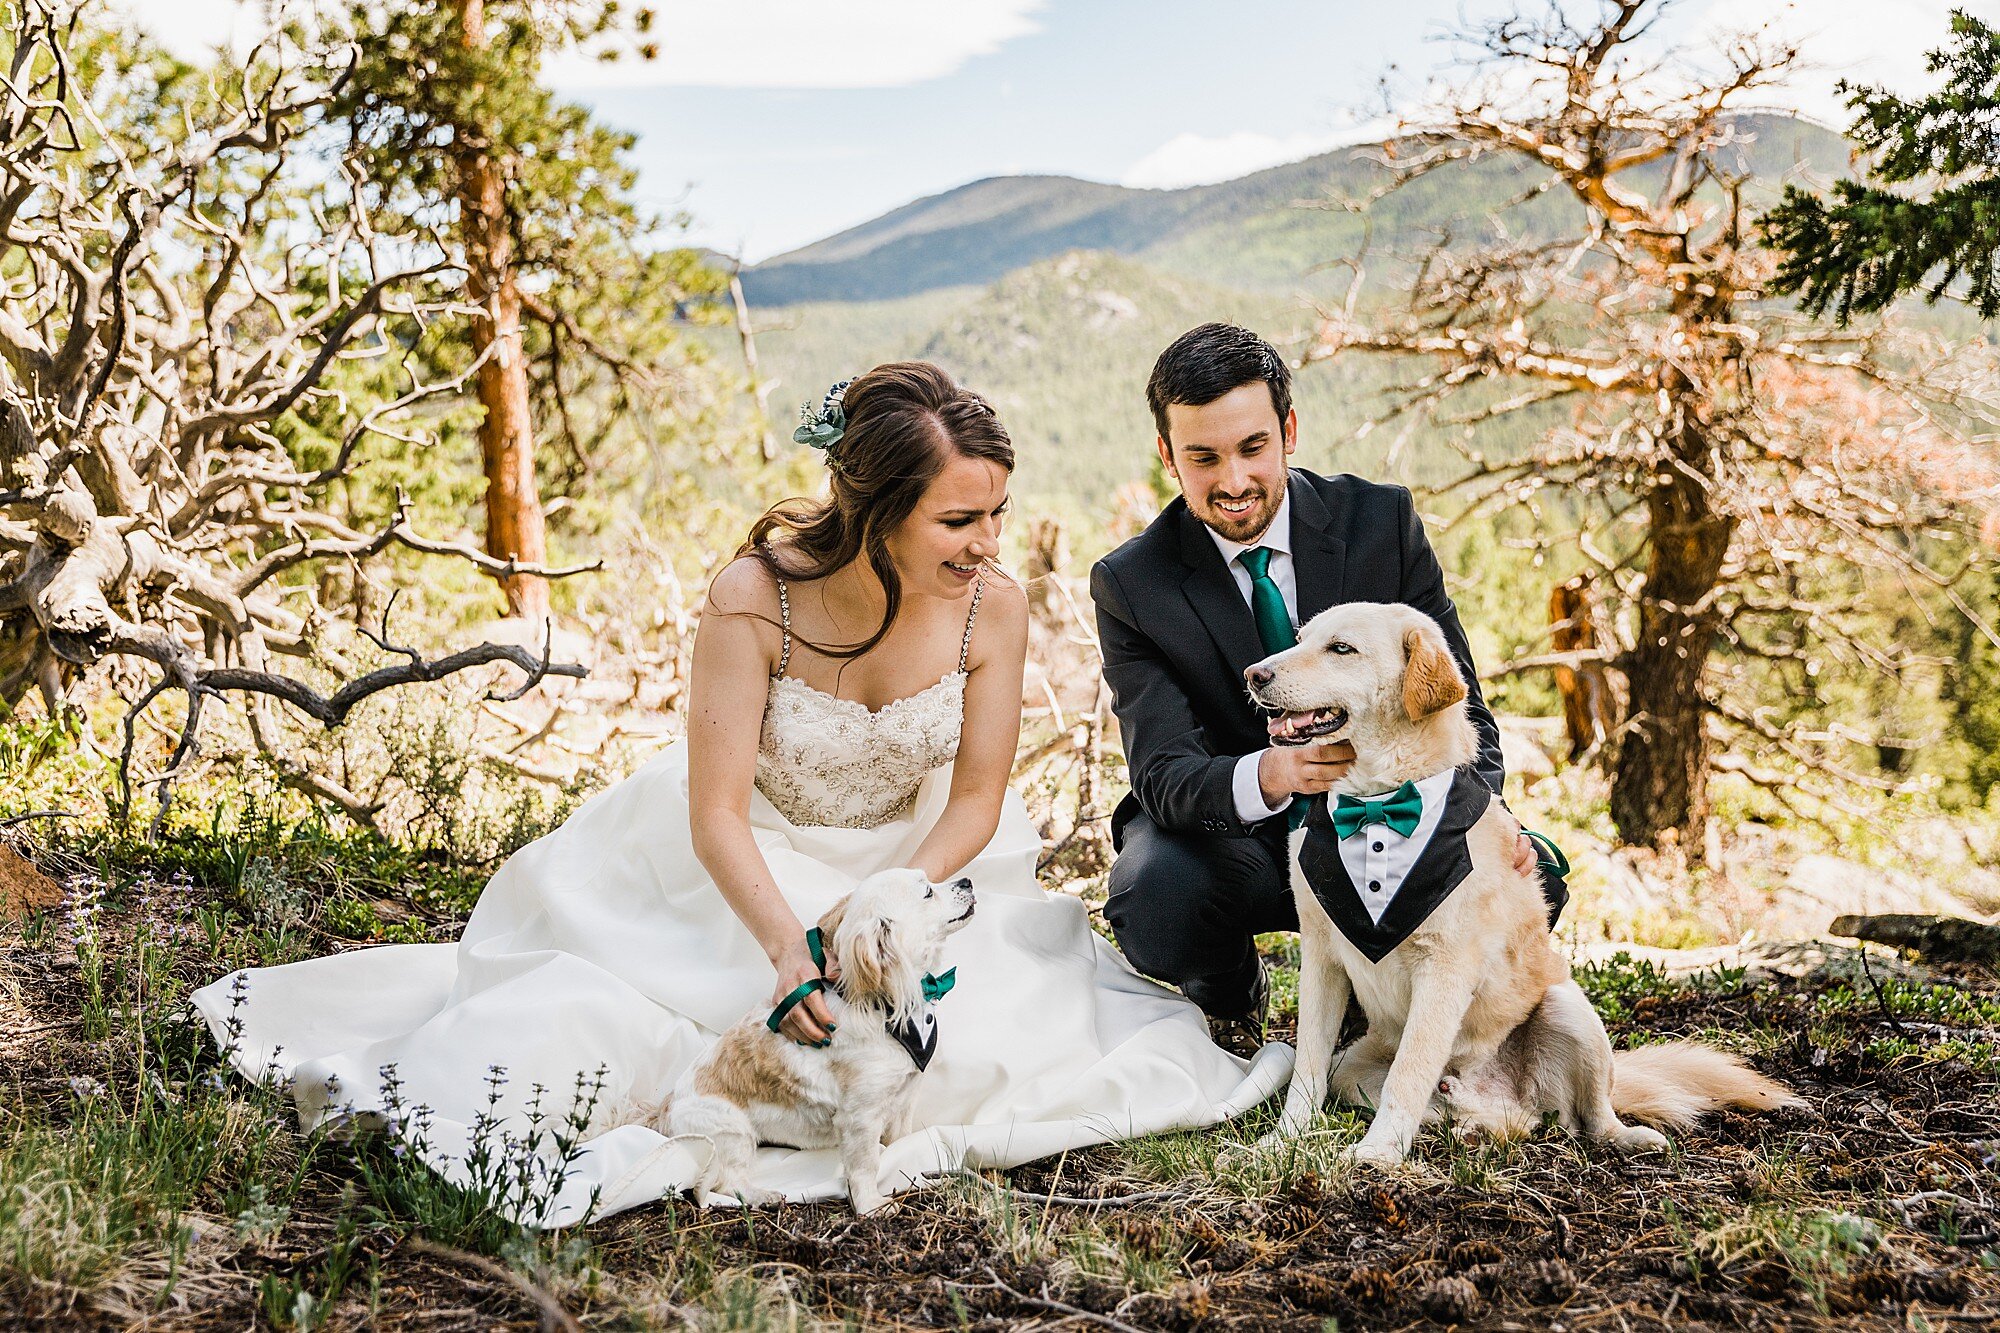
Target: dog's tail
{"x": 1674, "y": 1084}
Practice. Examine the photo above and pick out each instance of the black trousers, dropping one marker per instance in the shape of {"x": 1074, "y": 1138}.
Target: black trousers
{"x": 1185, "y": 906}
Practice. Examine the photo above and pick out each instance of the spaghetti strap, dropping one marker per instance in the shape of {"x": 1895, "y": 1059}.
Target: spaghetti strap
{"x": 785, "y": 623}
{"x": 965, "y": 644}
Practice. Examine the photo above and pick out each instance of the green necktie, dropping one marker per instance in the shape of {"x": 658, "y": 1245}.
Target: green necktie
{"x": 1274, "y": 631}
{"x": 1267, "y": 604}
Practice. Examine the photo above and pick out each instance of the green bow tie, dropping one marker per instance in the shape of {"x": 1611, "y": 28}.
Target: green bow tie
{"x": 1402, "y": 810}
{"x": 935, "y": 988}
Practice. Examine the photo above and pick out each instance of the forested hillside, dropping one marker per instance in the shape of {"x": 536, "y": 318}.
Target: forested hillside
{"x": 1053, "y": 296}
{"x": 1263, "y": 232}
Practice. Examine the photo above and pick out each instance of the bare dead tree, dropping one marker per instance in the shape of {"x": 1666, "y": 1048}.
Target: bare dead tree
{"x": 1726, "y": 453}
{"x": 182, "y": 274}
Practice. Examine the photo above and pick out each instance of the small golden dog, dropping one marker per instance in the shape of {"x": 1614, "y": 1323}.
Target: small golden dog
{"x": 756, "y": 1086}
{"x": 1470, "y": 1007}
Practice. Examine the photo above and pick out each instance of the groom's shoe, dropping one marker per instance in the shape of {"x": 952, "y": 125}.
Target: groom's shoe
{"x": 1243, "y": 1034}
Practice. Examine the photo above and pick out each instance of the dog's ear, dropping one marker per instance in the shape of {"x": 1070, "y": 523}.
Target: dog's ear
{"x": 1431, "y": 682}
{"x": 868, "y": 960}
{"x": 829, "y": 925}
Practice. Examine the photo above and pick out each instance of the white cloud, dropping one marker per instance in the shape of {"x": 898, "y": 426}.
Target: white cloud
{"x": 809, "y": 43}
{"x": 1863, "y": 41}
{"x": 1202, "y": 159}
{"x": 706, "y": 43}
{"x": 194, "y": 29}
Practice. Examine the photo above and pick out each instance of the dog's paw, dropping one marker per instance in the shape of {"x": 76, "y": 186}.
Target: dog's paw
{"x": 1364, "y": 1153}
{"x": 869, "y": 1203}
{"x": 1277, "y": 1141}
{"x": 725, "y": 1196}
{"x": 1637, "y": 1139}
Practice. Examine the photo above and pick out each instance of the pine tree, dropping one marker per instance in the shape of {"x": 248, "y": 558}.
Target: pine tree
{"x": 534, "y": 200}
{"x": 1928, "y": 215}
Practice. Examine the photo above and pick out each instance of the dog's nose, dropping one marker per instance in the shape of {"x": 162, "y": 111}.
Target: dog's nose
{"x": 962, "y": 885}
{"x": 1259, "y": 676}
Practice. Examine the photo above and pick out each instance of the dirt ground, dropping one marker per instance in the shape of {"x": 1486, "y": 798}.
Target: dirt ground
{"x": 1877, "y": 1207}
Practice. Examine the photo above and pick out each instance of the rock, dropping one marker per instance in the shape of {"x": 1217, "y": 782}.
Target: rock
{"x": 565, "y": 645}
{"x": 1942, "y": 938}
{"x": 23, "y": 887}
{"x": 1524, "y": 748}
{"x": 1821, "y": 887}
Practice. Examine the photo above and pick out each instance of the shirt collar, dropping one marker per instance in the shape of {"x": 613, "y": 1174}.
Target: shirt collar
{"x": 1277, "y": 537}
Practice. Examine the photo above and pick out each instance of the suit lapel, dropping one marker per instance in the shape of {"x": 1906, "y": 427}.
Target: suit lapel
{"x": 1319, "y": 559}
{"x": 1211, "y": 590}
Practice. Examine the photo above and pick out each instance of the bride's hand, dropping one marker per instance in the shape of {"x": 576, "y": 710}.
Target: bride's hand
{"x": 810, "y": 1020}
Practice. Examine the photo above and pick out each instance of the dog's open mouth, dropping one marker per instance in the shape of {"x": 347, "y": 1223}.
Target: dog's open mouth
{"x": 1298, "y": 728}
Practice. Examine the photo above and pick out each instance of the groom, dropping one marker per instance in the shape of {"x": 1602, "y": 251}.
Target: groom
{"x": 1251, "y": 550}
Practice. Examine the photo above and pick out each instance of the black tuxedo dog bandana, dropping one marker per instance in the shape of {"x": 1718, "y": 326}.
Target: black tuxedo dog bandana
{"x": 1440, "y": 867}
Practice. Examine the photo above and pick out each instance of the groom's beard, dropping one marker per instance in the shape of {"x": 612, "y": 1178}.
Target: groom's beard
{"x": 1247, "y": 526}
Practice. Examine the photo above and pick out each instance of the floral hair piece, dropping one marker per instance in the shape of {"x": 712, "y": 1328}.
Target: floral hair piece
{"x": 823, "y": 426}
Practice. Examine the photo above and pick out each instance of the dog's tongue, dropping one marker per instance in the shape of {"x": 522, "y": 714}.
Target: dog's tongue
{"x": 1285, "y": 724}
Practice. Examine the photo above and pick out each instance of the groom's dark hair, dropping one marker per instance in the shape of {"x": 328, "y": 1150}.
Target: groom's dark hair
{"x": 1208, "y": 361}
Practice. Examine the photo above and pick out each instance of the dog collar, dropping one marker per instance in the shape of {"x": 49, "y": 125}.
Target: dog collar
{"x": 917, "y": 1036}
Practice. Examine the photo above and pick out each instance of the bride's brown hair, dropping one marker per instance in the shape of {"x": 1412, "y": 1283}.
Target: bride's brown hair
{"x": 905, "y": 421}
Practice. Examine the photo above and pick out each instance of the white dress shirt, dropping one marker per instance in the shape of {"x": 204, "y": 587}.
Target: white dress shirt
{"x": 1378, "y": 859}
{"x": 1244, "y": 787}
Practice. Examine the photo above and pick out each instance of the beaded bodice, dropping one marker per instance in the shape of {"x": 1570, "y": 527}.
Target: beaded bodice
{"x": 824, "y": 760}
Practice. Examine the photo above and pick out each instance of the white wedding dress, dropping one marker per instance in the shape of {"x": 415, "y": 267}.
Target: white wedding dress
{"x": 605, "y": 946}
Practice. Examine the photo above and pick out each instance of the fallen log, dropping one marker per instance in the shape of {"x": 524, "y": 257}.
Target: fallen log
{"x": 1945, "y": 939}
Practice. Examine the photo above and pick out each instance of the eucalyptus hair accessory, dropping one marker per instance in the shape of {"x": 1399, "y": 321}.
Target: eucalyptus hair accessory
{"x": 823, "y": 426}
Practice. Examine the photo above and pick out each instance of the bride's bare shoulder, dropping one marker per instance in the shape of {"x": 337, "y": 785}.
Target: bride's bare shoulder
{"x": 742, "y": 586}
{"x": 1003, "y": 608}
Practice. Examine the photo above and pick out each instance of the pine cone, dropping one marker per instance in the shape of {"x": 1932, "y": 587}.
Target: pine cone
{"x": 1449, "y": 1300}
{"x": 1181, "y": 1307}
{"x": 1140, "y": 1232}
{"x": 1471, "y": 1253}
{"x": 1315, "y": 1292}
{"x": 1552, "y": 1282}
{"x": 1382, "y": 1202}
{"x": 1206, "y": 1238}
{"x": 1287, "y": 1220}
{"x": 1370, "y": 1286}
{"x": 1487, "y": 1277}
{"x": 1309, "y": 1189}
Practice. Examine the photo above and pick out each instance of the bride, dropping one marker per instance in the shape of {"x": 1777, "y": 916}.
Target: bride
{"x": 855, "y": 705}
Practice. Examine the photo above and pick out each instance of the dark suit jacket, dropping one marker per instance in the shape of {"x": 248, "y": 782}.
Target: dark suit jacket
{"x": 1177, "y": 635}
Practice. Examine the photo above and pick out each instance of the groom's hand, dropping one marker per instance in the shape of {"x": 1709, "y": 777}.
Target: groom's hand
{"x": 1526, "y": 858}
{"x": 1286, "y": 771}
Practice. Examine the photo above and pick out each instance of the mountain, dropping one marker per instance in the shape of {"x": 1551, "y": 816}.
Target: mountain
{"x": 1053, "y": 296}
{"x": 1263, "y": 231}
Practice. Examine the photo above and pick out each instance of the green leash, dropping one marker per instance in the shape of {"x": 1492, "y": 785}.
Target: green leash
{"x": 1549, "y": 854}
{"x": 812, "y": 986}
{"x": 935, "y": 987}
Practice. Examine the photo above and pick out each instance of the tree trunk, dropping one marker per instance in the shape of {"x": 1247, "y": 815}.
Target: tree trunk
{"x": 1590, "y": 706}
{"x": 514, "y": 527}
{"x": 1660, "y": 784}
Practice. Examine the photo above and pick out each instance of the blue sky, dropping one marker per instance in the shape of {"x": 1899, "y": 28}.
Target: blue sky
{"x": 776, "y": 122}
{"x": 1102, "y": 89}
